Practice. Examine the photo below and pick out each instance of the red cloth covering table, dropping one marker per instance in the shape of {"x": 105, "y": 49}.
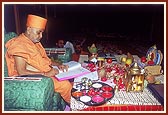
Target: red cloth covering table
{"x": 125, "y": 108}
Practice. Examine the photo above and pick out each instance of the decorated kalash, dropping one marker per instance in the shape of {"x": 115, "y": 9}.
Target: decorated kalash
{"x": 129, "y": 74}
{"x": 143, "y": 71}
{"x": 134, "y": 79}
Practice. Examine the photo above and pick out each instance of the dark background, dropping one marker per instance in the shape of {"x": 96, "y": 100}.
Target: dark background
{"x": 129, "y": 25}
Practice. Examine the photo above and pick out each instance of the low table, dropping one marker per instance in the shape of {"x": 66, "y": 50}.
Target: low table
{"x": 122, "y": 101}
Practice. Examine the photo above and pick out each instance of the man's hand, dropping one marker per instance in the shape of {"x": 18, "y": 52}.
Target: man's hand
{"x": 63, "y": 67}
{"x": 52, "y": 72}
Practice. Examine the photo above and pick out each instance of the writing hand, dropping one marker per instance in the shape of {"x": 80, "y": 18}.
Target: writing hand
{"x": 63, "y": 67}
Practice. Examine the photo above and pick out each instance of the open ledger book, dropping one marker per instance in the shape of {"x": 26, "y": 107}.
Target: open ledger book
{"x": 75, "y": 70}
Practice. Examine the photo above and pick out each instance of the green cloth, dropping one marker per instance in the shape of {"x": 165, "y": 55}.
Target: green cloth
{"x": 32, "y": 95}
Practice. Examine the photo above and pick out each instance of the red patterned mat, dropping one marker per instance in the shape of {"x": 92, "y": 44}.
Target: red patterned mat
{"x": 125, "y": 108}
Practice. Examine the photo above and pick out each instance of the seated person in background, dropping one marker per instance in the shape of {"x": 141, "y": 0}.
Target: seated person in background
{"x": 68, "y": 44}
{"x": 26, "y": 55}
{"x": 78, "y": 51}
{"x": 60, "y": 43}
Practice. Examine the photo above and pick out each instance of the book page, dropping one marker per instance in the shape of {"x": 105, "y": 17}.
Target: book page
{"x": 75, "y": 70}
{"x": 72, "y": 74}
{"x": 71, "y": 64}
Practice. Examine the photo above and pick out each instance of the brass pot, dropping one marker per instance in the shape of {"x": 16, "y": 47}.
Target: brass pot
{"x": 135, "y": 69}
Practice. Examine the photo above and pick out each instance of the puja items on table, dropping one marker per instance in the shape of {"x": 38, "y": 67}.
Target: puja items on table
{"x": 92, "y": 94}
{"x": 127, "y": 59}
{"x": 100, "y": 62}
{"x": 151, "y": 63}
{"x": 124, "y": 78}
{"x": 151, "y": 72}
{"x": 114, "y": 72}
{"x": 134, "y": 80}
{"x": 93, "y": 53}
{"x": 91, "y": 67}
